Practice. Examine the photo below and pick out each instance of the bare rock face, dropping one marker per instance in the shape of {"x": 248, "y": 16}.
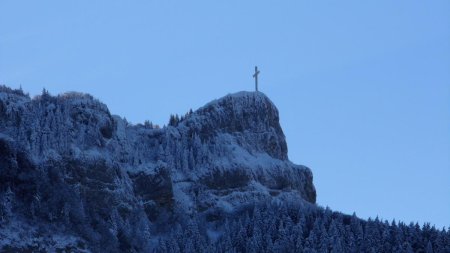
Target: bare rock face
{"x": 68, "y": 164}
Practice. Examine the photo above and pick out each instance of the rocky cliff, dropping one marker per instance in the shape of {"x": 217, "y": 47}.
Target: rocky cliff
{"x": 69, "y": 169}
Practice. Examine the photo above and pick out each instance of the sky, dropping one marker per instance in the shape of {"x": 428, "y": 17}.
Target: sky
{"x": 362, "y": 87}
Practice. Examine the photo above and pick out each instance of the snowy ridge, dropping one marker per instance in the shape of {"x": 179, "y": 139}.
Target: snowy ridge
{"x": 229, "y": 153}
{"x": 74, "y": 178}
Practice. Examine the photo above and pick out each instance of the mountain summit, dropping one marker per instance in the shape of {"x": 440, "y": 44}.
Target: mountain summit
{"x": 66, "y": 159}
{"x": 74, "y": 178}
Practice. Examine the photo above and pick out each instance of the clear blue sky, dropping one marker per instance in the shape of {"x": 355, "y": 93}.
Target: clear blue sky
{"x": 363, "y": 87}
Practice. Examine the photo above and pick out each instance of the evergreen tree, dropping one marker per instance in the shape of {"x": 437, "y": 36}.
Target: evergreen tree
{"x": 429, "y": 248}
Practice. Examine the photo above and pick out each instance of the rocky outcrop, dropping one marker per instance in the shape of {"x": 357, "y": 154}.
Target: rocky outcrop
{"x": 248, "y": 114}
{"x": 66, "y": 160}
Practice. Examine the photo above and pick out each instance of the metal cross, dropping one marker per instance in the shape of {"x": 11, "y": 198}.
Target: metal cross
{"x": 256, "y": 77}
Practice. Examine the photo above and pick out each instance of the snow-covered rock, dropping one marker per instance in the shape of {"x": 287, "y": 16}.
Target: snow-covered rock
{"x": 66, "y": 160}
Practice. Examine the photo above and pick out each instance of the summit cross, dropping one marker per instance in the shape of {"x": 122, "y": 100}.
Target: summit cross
{"x": 256, "y": 77}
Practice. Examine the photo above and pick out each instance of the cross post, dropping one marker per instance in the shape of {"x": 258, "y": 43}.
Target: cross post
{"x": 256, "y": 78}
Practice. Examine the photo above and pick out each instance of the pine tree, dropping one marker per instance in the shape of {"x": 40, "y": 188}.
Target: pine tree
{"x": 429, "y": 248}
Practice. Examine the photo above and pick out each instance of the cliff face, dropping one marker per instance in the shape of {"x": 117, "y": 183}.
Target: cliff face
{"x": 67, "y": 160}
{"x": 246, "y": 115}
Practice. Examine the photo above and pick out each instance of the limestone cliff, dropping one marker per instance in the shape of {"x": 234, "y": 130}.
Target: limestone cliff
{"x": 88, "y": 176}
